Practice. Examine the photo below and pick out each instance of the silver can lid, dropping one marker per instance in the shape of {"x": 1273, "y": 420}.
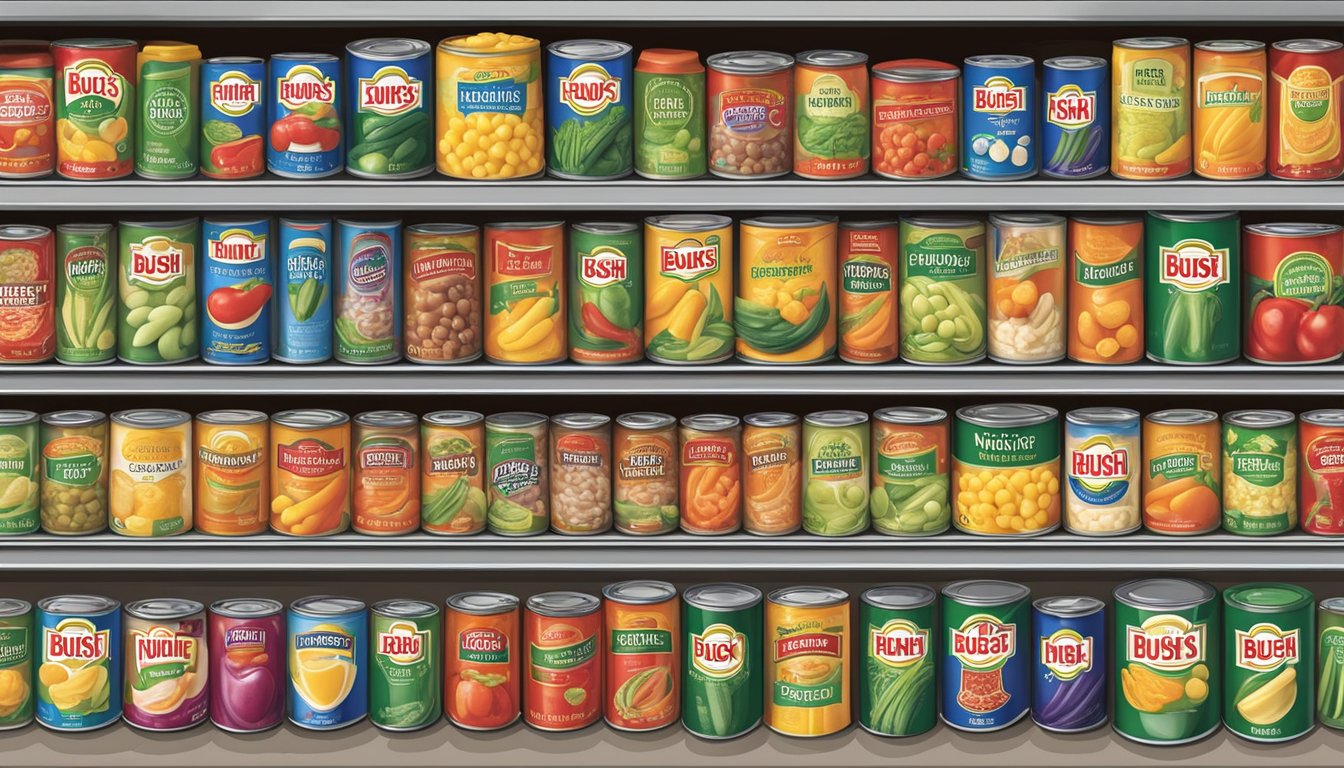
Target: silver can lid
{"x": 986, "y": 592}
{"x": 711, "y": 422}
{"x": 1258, "y": 419}
{"x": 246, "y": 607}
{"x": 151, "y": 418}
{"x": 398, "y": 608}
{"x": 1181, "y": 417}
{"x": 770, "y": 419}
{"x": 1007, "y": 414}
{"x": 1068, "y": 606}
{"x": 808, "y": 597}
{"x": 515, "y": 420}
{"x": 1103, "y": 416}
{"x": 389, "y": 48}
{"x": 164, "y": 608}
{"x": 386, "y": 419}
{"x": 17, "y": 418}
{"x": 559, "y": 605}
{"x": 231, "y": 417}
{"x": 899, "y": 597}
{"x": 836, "y": 418}
{"x": 723, "y": 596}
{"x": 640, "y": 592}
{"x": 831, "y": 58}
{"x": 12, "y": 606}
{"x": 646, "y": 420}
{"x": 1151, "y": 43}
{"x": 749, "y": 62}
{"x": 78, "y": 605}
{"x": 1000, "y": 61}
{"x": 325, "y": 606}
{"x": 1075, "y": 63}
{"x": 483, "y": 603}
{"x": 589, "y": 50}
{"x": 689, "y": 222}
{"x": 911, "y": 415}
{"x": 1164, "y": 594}
{"x": 580, "y": 420}
{"x": 453, "y": 418}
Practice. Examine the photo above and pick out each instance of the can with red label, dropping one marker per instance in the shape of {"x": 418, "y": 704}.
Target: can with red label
{"x": 1321, "y": 475}
{"x": 1294, "y": 283}
{"x": 642, "y": 619}
{"x": 27, "y": 119}
{"x": 95, "y": 107}
{"x": 27, "y": 291}
{"x": 562, "y": 689}
{"x": 1305, "y": 118}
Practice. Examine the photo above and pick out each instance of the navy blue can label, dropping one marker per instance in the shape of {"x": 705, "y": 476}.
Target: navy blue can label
{"x": 328, "y": 662}
{"x": 389, "y": 130}
{"x": 305, "y": 115}
{"x": 589, "y": 116}
{"x": 303, "y": 327}
{"x": 999, "y": 118}
{"x": 986, "y": 665}
{"x": 80, "y": 666}
{"x": 368, "y": 292}
{"x": 1076, "y": 109}
{"x": 233, "y": 117}
{"x": 1069, "y": 687}
{"x": 238, "y": 281}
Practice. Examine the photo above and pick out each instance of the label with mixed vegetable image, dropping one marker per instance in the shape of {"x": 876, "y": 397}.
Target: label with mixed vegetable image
{"x": 389, "y": 125}
{"x": 588, "y": 113}
{"x": 606, "y": 293}
{"x": 784, "y": 311}
{"x": 942, "y": 279}
{"x": 896, "y": 683}
{"x": 1259, "y": 472}
{"x": 986, "y": 677}
{"x": 689, "y": 275}
{"x": 1192, "y": 282}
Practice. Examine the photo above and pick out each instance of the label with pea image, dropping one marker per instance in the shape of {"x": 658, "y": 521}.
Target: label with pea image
{"x": 1007, "y": 478}
{"x": 1259, "y": 478}
{"x": 156, "y": 319}
{"x": 942, "y": 284}
{"x": 18, "y": 472}
{"x": 910, "y": 482}
{"x": 835, "y": 473}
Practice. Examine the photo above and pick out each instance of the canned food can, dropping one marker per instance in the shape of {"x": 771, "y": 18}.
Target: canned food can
{"x": 441, "y": 277}
{"x": 642, "y": 619}
{"x": 247, "y": 664}
{"x": 81, "y": 637}
{"x": 367, "y": 309}
{"x": 167, "y": 664}
{"x": 918, "y": 97}
{"x": 1259, "y": 472}
{"x": 1305, "y": 109}
{"x": 1269, "y": 690}
{"x": 722, "y": 694}
{"x": 581, "y": 473}
{"x": 998, "y": 133}
{"x": 168, "y": 131}
{"x": 1321, "y": 486}
{"x": 1330, "y": 650}
{"x": 750, "y": 114}
{"x": 711, "y": 476}
{"x": 830, "y": 133}
{"x": 909, "y": 494}
{"x": 588, "y": 120}
{"x": 1069, "y": 689}
{"x": 328, "y": 662}
{"x": 233, "y": 117}
{"x": 669, "y": 127}
{"x": 1293, "y": 297}
{"x": 644, "y": 450}
{"x": 1013, "y": 448}
{"x": 688, "y": 288}
{"x": 1076, "y": 102}
{"x": 86, "y": 294}
{"x": 807, "y": 661}
{"x": 986, "y": 673}
{"x": 310, "y": 472}
{"x": 1192, "y": 281}
{"x": 1102, "y": 445}
{"x": 452, "y": 479}
{"x": 95, "y": 107}
{"x": 304, "y": 106}
{"x": 896, "y": 689}
{"x": 516, "y": 453}
{"x": 74, "y": 472}
{"x": 389, "y": 97}
{"x": 20, "y": 446}
{"x": 405, "y": 679}
{"x": 151, "y": 473}
{"x": 563, "y": 661}
{"x": 867, "y": 292}
{"x": 18, "y": 645}
{"x": 27, "y": 294}
{"x": 386, "y": 476}
{"x": 835, "y": 473}
{"x": 525, "y": 287}
{"x": 1230, "y": 109}
{"x": 1182, "y": 475}
{"x": 772, "y": 452}
{"x": 1026, "y": 316}
{"x": 787, "y": 289}
{"x": 1105, "y": 304}
{"x": 482, "y": 664}
{"x": 157, "y": 314}
{"x": 231, "y": 468}
{"x": 28, "y": 133}
{"x": 485, "y": 81}
{"x": 942, "y": 289}
{"x": 606, "y": 293}
{"x": 304, "y": 325}
{"x": 1150, "y": 101}
{"x": 237, "y": 283}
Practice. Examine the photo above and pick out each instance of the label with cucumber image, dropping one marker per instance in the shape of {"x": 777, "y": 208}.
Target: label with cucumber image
{"x": 85, "y": 294}
{"x": 156, "y": 322}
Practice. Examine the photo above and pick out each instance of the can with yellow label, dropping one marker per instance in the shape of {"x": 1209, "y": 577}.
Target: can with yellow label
{"x": 807, "y": 661}
{"x": 231, "y": 493}
{"x": 151, "y": 473}
{"x": 688, "y": 288}
{"x": 489, "y": 115}
{"x": 525, "y": 292}
{"x": 785, "y": 308}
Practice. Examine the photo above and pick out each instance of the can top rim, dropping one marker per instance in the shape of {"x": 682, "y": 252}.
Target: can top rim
{"x": 646, "y": 420}
{"x": 94, "y": 42}
{"x": 831, "y": 57}
{"x": 78, "y": 605}
{"x": 1075, "y": 62}
{"x": 986, "y": 592}
{"x": 1181, "y": 417}
{"x": 320, "y": 606}
{"x": 562, "y": 604}
{"x": 1267, "y": 597}
{"x": 589, "y": 48}
{"x": 303, "y": 56}
{"x": 1308, "y": 45}
{"x": 402, "y": 608}
{"x": 689, "y": 222}
{"x": 1230, "y": 46}
{"x": 1293, "y": 229}
{"x": 1164, "y": 593}
{"x": 606, "y": 227}
{"x": 640, "y": 592}
{"x": 453, "y": 418}
{"x": 788, "y": 222}
{"x": 1025, "y": 219}
{"x": 1259, "y": 418}
{"x": 916, "y": 71}
{"x": 482, "y": 602}
{"x": 910, "y": 414}
{"x": 723, "y": 596}
{"x": 580, "y": 420}
{"x": 868, "y": 224}
{"x": 231, "y": 417}
{"x": 899, "y": 596}
{"x": 246, "y": 607}
{"x": 999, "y": 59}
{"x": 151, "y": 418}
{"x": 935, "y": 221}
{"x": 515, "y": 420}
{"x": 309, "y": 418}
{"x": 836, "y": 418}
{"x": 164, "y": 608}
{"x": 1325, "y": 417}
{"x": 234, "y": 60}
{"x": 389, "y": 48}
{"x": 386, "y": 419}
{"x": 1193, "y": 217}
{"x": 1333, "y": 605}
{"x": 73, "y": 418}
{"x": 1107, "y": 221}
{"x": 446, "y": 228}
{"x": 1151, "y": 43}
{"x": 808, "y": 596}
{"x": 13, "y": 606}
{"x": 749, "y": 62}
{"x": 14, "y": 418}
{"x": 525, "y": 45}
{"x": 1007, "y": 414}
{"x": 770, "y": 419}
{"x": 710, "y": 422}
{"x": 24, "y": 231}
{"x": 1068, "y": 605}
{"x": 522, "y": 226}
{"x": 1104, "y": 415}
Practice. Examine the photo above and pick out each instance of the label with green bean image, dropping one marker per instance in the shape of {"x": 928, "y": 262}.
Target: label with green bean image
{"x": 156, "y": 322}
{"x": 909, "y": 495}
{"x": 85, "y": 294}
{"x": 1192, "y": 287}
{"x": 722, "y": 692}
{"x": 942, "y": 283}
{"x": 896, "y": 682}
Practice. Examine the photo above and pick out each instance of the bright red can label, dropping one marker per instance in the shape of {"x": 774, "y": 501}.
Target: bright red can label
{"x": 1294, "y": 283}
{"x": 27, "y": 294}
{"x": 563, "y": 685}
{"x": 95, "y": 107}
{"x": 1321, "y": 475}
{"x": 1304, "y": 109}
{"x": 27, "y": 119}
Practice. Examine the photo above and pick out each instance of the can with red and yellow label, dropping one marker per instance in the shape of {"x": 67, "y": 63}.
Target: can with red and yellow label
{"x": 807, "y": 661}
{"x": 563, "y": 661}
{"x": 525, "y": 292}
{"x": 830, "y": 136}
{"x": 386, "y": 475}
{"x": 482, "y": 662}
{"x": 1305, "y": 110}
{"x": 27, "y": 117}
{"x": 786, "y": 289}
{"x": 868, "y": 299}
{"x": 1230, "y": 114}
{"x": 1321, "y": 475}
{"x": 310, "y": 472}
{"x": 1294, "y": 303}
{"x": 642, "y": 621}
{"x": 27, "y": 294}
{"x": 95, "y": 107}
{"x": 231, "y": 494}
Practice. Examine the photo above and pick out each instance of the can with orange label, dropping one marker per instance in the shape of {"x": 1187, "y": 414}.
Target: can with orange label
{"x": 643, "y": 628}
{"x": 868, "y": 299}
{"x": 481, "y": 683}
{"x": 386, "y": 475}
{"x": 28, "y": 119}
{"x": 830, "y": 135}
{"x": 772, "y": 474}
{"x": 644, "y": 448}
{"x": 688, "y": 288}
{"x": 442, "y": 286}
{"x": 151, "y": 473}
{"x": 1305, "y": 110}
{"x": 563, "y": 661}
{"x": 711, "y": 474}
{"x": 1182, "y": 472}
{"x": 27, "y": 294}
{"x": 310, "y": 472}
{"x": 786, "y": 291}
{"x": 1230, "y": 113}
{"x": 525, "y": 292}
{"x": 909, "y": 495}
{"x": 231, "y": 490}
{"x": 917, "y": 98}
{"x": 452, "y": 472}
{"x": 1105, "y": 290}
{"x": 1321, "y": 475}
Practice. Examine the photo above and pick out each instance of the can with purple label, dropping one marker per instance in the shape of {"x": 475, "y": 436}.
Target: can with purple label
{"x": 1069, "y": 689}
{"x": 368, "y": 292}
{"x": 247, "y": 664}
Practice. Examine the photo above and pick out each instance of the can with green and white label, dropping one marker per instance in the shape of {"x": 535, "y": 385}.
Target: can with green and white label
{"x": 722, "y": 694}
{"x": 18, "y": 640}
{"x": 942, "y": 286}
{"x": 405, "y": 664}
{"x": 1192, "y": 287}
{"x": 167, "y": 142}
{"x": 86, "y": 294}
{"x": 896, "y": 680}
{"x": 1259, "y": 472}
{"x": 1269, "y": 631}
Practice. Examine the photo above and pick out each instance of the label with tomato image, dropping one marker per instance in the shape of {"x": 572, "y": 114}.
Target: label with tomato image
{"x": 642, "y": 623}
{"x": 233, "y": 119}
{"x": 1321, "y": 475}
{"x": 305, "y": 115}
{"x": 481, "y": 681}
{"x": 237, "y": 280}
{"x": 564, "y": 679}
{"x": 606, "y": 293}
{"x": 1294, "y": 292}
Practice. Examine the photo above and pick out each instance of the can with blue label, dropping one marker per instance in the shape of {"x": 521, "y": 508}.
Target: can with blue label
{"x": 328, "y": 662}
{"x": 986, "y": 655}
{"x": 998, "y": 118}
{"x": 304, "y": 105}
{"x": 303, "y": 323}
{"x": 1069, "y": 685}
{"x": 1101, "y": 460}
{"x": 1076, "y": 114}
{"x": 589, "y": 114}
{"x": 79, "y": 669}
{"x": 368, "y": 292}
{"x": 233, "y": 117}
{"x": 237, "y": 283}
{"x": 389, "y": 127}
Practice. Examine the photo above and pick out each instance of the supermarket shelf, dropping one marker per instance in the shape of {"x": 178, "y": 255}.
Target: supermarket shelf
{"x": 437, "y": 193}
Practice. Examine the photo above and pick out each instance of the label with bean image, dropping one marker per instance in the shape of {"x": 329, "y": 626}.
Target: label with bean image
{"x": 368, "y": 293}
{"x": 835, "y": 473}
{"x": 442, "y": 281}
{"x": 18, "y": 472}
{"x": 1259, "y": 472}
{"x": 942, "y": 287}
{"x": 909, "y": 495}
{"x": 86, "y": 298}
{"x": 580, "y": 473}
{"x": 156, "y": 318}
{"x": 606, "y": 293}
{"x": 519, "y": 476}
{"x": 1005, "y": 469}
{"x": 74, "y": 472}
{"x": 644, "y": 449}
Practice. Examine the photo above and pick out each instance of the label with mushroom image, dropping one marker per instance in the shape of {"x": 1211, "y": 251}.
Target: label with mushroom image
{"x": 1026, "y": 311}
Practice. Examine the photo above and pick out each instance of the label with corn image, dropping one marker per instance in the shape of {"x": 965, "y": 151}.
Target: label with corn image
{"x": 1268, "y": 631}
{"x": 1259, "y": 472}
{"x": 1005, "y": 469}
{"x": 95, "y": 107}
{"x": 156, "y": 319}
{"x": 942, "y": 285}
{"x": 85, "y": 294}
{"x": 688, "y": 284}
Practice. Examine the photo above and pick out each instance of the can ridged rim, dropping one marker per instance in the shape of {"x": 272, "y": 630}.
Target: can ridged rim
{"x": 944, "y": 222}
{"x": 522, "y": 226}
{"x": 388, "y": 419}
{"x": 689, "y": 223}
{"x": 913, "y": 415}
{"x": 1333, "y": 605}
{"x": 453, "y": 418}
{"x": 1292, "y": 229}
{"x": 1194, "y": 217}
{"x": 986, "y": 593}
{"x": 1238, "y": 597}
{"x": 83, "y": 228}
{"x": 235, "y": 60}
{"x": 1308, "y": 45}
{"x": 442, "y": 229}
{"x": 23, "y": 232}
{"x": 999, "y": 60}
{"x": 13, "y": 606}
{"x": 1181, "y": 417}
{"x": 1155, "y": 43}
{"x": 646, "y": 420}
{"x": 640, "y": 592}
{"x": 789, "y": 222}
{"x": 589, "y": 49}
{"x": 830, "y": 58}
{"x": 515, "y": 420}
{"x": 1026, "y": 219}
{"x": 1260, "y": 418}
{"x": 225, "y": 221}
{"x": 1106, "y": 221}
{"x": 1324, "y": 417}
{"x": 96, "y": 43}
{"x": 246, "y": 607}
{"x": 899, "y": 597}
{"x": 78, "y": 605}
{"x": 722, "y": 596}
{"x": 563, "y": 604}
{"x": 482, "y": 603}
{"x": 327, "y": 606}
{"x": 310, "y": 418}
{"x": 916, "y": 71}
{"x": 1230, "y": 46}
{"x": 389, "y": 48}
{"x": 371, "y": 225}
{"x": 1074, "y": 63}
{"x": 836, "y": 418}
{"x": 1007, "y": 415}
{"x": 303, "y": 57}
{"x": 749, "y": 62}
{"x": 1068, "y": 606}
{"x": 401, "y": 608}
{"x": 174, "y": 224}
{"x": 808, "y": 597}
{"x": 231, "y": 417}
{"x": 17, "y": 418}
{"x": 1180, "y": 594}
{"x": 770, "y": 419}
{"x": 711, "y": 422}
{"x": 164, "y": 608}
{"x": 151, "y": 418}
{"x": 581, "y": 420}
{"x": 606, "y": 227}
{"x": 1103, "y": 416}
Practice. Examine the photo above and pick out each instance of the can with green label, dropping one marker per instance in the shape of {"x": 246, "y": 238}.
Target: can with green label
{"x": 606, "y": 293}
{"x": 19, "y": 452}
{"x": 86, "y": 296}
{"x": 1330, "y": 649}
{"x": 517, "y": 486}
{"x": 405, "y": 667}
{"x": 835, "y": 473}
{"x": 1259, "y": 472}
{"x": 1268, "y": 635}
{"x": 167, "y": 144}
{"x": 942, "y": 284}
{"x": 723, "y": 693}
{"x": 17, "y": 642}
{"x": 1192, "y": 287}
{"x": 669, "y": 122}
{"x": 156, "y": 316}
{"x": 896, "y": 681}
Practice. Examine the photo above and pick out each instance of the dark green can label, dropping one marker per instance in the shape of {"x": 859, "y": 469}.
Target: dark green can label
{"x": 1330, "y": 648}
{"x": 17, "y": 697}
{"x": 606, "y": 293}
{"x": 670, "y": 125}
{"x": 86, "y": 298}
{"x": 1192, "y": 287}
{"x": 405, "y": 665}
{"x": 896, "y": 682}
{"x": 722, "y": 692}
{"x": 1267, "y": 637}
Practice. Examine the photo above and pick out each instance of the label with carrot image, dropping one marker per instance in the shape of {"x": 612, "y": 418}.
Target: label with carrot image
{"x": 386, "y": 478}
{"x": 310, "y": 474}
{"x": 1182, "y": 472}
{"x": 1229, "y": 110}
{"x": 772, "y": 448}
{"x": 868, "y": 303}
{"x": 711, "y": 483}
{"x": 643, "y": 625}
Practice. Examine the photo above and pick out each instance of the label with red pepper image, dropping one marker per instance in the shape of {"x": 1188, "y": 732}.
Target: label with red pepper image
{"x": 606, "y": 293}
{"x": 986, "y": 666}
{"x": 305, "y": 115}
{"x": 1294, "y": 292}
{"x": 237, "y": 280}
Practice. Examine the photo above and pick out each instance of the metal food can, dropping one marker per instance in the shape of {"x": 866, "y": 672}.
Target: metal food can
{"x": 525, "y": 292}
{"x": 74, "y": 472}
{"x": 246, "y": 641}
{"x": 831, "y": 124}
{"x": 787, "y": 289}
{"x": 644, "y": 451}
{"x": 151, "y": 473}
{"x": 1320, "y": 484}
{"x": 481, "y": 675}
{"x": 517, "y": 459}
{"x": 237, "y": 285}
{"x": 942, "y": 290}
{"x": 1150, "y": 101}
{"x": 721, "y": 693}
{"x": 750, "y": 114}
{"x": 389, "y": 96}
{"x": 1269, "y": 687}
{"x": 167, "y": 664}
{"x": 367, "y": 309}
{"x": 1182, "y": 472}
{"x": 1259, "y": 472}
{"x": 606, "y": 293}
{"x": 233, "y": 117}
{"x": 304, "y": 107}
{"x": 835, "y": 473}
{"x": 1294, "y": 303}
{"x": 1102, "y": 449}
{"x": 986, "y": 673}
{"x": 669, "y": 103}
{"x": 230, "y": 472}
{"x": 1330, "y": 650}
{"x": 386, "y": 477}
{"x": 27, "y": 294}
{"x": 920, "y": 98}
{"x": 86, "y": 284}
{"x": 688, "y": 288}
{"x": 20, "y": 448}
{"x": 328, "y": 662}
{"x": 29, "y": 130}
{"x": 168, "y": 131}
{"x": 772, "y": 452}
{"x": 157, "y": 312}
{"x": 1105, "y": 304}
{"x": 405, "y": 656}
{"x": 304, "y": 325}
{"x": 588, "y": 110}
{"x": 95, "y": 107}
{"x": 711, "y": 476}
{"x": 563, "y": 663}
{"x": 1230, "y": 109}
{"x": 1027, "y": 313}
{"x": 998, "y": 132}
{"x": 909, "y": 493}
{"x": 452, "y": 467}
{"x": 488, "y": 82}
{"x": 1069, "y": 689}
{"x": 81, "y": 637}
{"x": 1192, "y": 281}
{"x": 1305, "y": 109}
{"x": 310, "y": 472}
{"x": 642, "y": 659}
{"x": 18, "y": 645}
{"x": 1013, "y": 448}
{"x": 580, "y": 473}
{"x": 807, "y": 661}
{"x": 900, "y": 645}
{"x": 1076, "y": 103}
{"x": 868, "y": 299}
{"x": 441, "y": 279}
